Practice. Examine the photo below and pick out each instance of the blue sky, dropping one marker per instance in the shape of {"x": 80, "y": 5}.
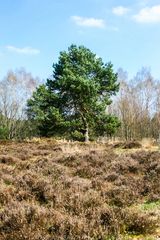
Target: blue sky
{"x": 125, "y": 32}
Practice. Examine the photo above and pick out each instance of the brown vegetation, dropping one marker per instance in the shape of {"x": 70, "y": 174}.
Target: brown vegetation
{"x": 51, "y": 190}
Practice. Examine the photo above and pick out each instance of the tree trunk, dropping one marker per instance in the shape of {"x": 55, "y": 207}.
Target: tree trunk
{"x": 86, "y": 128}
{"x": 86, "y": 134}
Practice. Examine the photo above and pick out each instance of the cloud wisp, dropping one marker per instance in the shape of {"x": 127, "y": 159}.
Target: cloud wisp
{"x": 120, "y": 10}
{"x": 88, "y": 22}
{"x": 148, "y": 15}
{"x": 25, "y": 50}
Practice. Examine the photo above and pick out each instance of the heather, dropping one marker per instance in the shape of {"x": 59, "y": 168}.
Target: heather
{"x": 68, "y": 190}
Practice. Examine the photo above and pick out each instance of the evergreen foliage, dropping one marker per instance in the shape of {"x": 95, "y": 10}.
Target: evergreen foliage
{"x": 74, "y": 101}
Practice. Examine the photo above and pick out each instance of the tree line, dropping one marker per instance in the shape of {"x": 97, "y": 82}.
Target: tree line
{"x": 82, "y": 100}
{"x": 137, "y": 105}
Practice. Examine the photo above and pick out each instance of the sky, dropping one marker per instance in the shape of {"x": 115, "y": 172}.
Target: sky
{"x": 125, "y": 32}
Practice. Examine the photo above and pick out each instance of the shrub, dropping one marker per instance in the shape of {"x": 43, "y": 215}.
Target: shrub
{"x": 4, "y": 133}
{"x": 137, "y": 222}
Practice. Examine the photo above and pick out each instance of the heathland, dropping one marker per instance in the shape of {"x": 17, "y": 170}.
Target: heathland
{"x": 54, "y": 190}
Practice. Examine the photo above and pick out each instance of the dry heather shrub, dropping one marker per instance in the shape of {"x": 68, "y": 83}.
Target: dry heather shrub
{"x": 127, "y": 145}
{"x": 97, "y": 223}
{"x": 121, "y": 196}
{"x": 41, "y": 189}
{"x": 6, "y": 159}
{"x": 124, "y": 164}
{"x": 88, "y": 166}
{"x": 100, "y": 184}
{"x": 41, "y": 164}
{"x": 41, "y": 153}
{"x": 111, "y": 177}
{"x": 7, "y": 179}
{"x": 23, "y": 195}
{"x": 118, "y": 145}
{"x": 52, "y": 146}
{"x": 87, "y": 172}
{"x": 7, "y": 170}
{"x": 76, "y": 183}
{"x": 81, "y": 194}
{"x": 24, "y": 152}
{"x": 38, "y": 187}
{"x": 95, "y": 159}
{"x": 25, "y": 180}
{"x": 110, "y": 222}
{"x": 152, "y": 197}
{"x": 79, "y": 203}
{"x": 69, "y": 228}
{"x": 6, "y": 194}
{"x": 70, "y": 161}
{"x": 132, "y": 144}
{"x": 49, "y": 169}
{"x": 137, "y": 222}
{"x": 144, "y": 157}
{"x": 23, "y": 222}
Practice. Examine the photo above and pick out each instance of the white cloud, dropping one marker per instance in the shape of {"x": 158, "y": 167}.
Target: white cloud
{"x": 25, "y": 50}
{"x": 88, "y": 22}
{"x": 120, "y": 10}
{"x": 148, "y": 15}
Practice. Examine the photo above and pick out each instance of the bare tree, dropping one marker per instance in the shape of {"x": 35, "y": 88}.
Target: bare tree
{"x": 15, "y": 89}
{"x": 137, "y": 105}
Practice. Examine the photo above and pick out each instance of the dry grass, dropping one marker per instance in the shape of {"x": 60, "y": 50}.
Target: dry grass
{"x": 58, "y": 190}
